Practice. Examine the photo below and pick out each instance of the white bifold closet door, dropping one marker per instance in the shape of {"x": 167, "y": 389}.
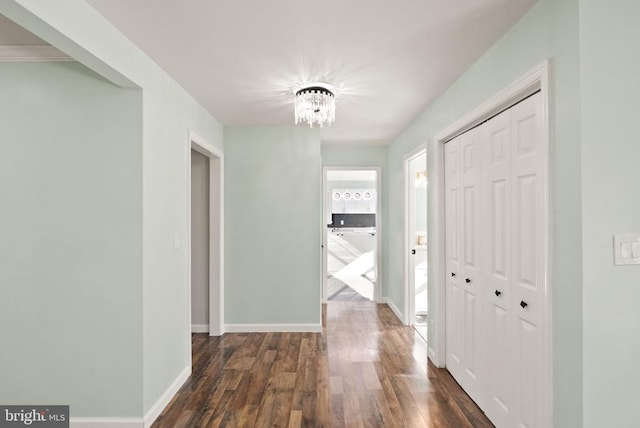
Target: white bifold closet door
{"x": 495, "y": 263}
{"x": 497, "y": 238}
{"x": 463, "y": 215}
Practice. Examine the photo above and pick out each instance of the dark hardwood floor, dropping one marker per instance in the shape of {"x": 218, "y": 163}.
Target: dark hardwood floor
{"x": 365, "y": 370}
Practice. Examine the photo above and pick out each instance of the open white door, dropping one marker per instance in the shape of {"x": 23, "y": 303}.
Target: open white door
{"x": 416, "y": 240}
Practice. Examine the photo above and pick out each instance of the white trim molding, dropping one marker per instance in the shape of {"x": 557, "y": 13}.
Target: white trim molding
{"x": 431, "y": 352}
{"x": 106, "y": 422}
{"x": 149, "y": 418}
{"x": 199, "y": 328}
{"x": 533, "y": 81}
{"x": 394, "y": 309}
{"x": 33, "y": 53}
{"x": 537, "y": 79}
{"x": 273, "y": 328}
{"x": 216, "y": 233}
{"x": 165, "y": 398}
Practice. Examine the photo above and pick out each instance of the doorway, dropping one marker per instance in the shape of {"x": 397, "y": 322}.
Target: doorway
{"x": 200, "y": 242}
{"x": 416, "y": 239}
{"x": 351, "y": 224}
{"x": 205, "y": 235}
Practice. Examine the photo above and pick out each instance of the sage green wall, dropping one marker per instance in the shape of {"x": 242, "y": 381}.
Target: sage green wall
{"x": 168, "y": 112}
{"x": 548, "y": 30}
{"x": 273, "y": 185}
{"x": 610, "y": 90}
{"x": 360, "y": 155}
{"x": 70, "y": 259}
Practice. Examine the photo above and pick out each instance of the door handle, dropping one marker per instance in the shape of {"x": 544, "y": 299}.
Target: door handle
{"x": 467, "y": 280}
{"x": 523, "y": 304}
{"x": 413, "y": 251}
{"x": 498, "y": 293}
{"x": 453, "y": 274}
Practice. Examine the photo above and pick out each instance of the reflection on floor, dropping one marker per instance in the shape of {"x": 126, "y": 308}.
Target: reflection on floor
{"x": 421, "y": 325}
{"x": 350, "y": 264}
{"x": 339, "y": 291}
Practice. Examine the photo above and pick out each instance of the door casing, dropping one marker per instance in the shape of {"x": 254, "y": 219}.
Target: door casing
{"x": 216, "y": 234}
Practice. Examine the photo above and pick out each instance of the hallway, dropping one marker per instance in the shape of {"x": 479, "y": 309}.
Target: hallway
{"x": 365, "y": 369}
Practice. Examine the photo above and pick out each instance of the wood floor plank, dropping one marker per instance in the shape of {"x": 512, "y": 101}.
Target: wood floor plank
{"x": 295, "y": 419}
{"x": 365, "y": 369}
{"x": 248, "y": 416}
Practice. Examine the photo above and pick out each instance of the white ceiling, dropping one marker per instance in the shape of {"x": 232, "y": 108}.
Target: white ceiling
{"x": 387, "y": 59}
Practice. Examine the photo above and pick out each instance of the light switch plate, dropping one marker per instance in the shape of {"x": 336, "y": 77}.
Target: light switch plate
{"x": 626, "y": 249}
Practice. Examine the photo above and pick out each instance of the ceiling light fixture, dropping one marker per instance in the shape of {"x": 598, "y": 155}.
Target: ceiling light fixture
{"x": 315, "y": 104}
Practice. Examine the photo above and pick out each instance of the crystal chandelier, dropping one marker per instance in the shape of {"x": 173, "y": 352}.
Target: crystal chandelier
{"x": 315, "y": 104}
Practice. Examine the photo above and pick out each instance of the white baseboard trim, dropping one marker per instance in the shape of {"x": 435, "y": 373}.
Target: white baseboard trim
{"x": 273, "y": 328}
{"x": 431, "y": 353}
{"x": 162, "y": 402}
{"x": 106, "y": 422}
{"x": 199, "y": 328}
{"x": 149, "y": 418}
{"x": 394, "y": 308}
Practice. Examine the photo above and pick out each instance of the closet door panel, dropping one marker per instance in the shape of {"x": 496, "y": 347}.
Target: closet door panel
{"x": 527, "y": 351}
{"x": 497, "y": 247}
{"x": 471, "y": 262}
{"x": 528, "y": 258}
{"x": 470, "y": 335}
{"x": 454, "y": 346}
